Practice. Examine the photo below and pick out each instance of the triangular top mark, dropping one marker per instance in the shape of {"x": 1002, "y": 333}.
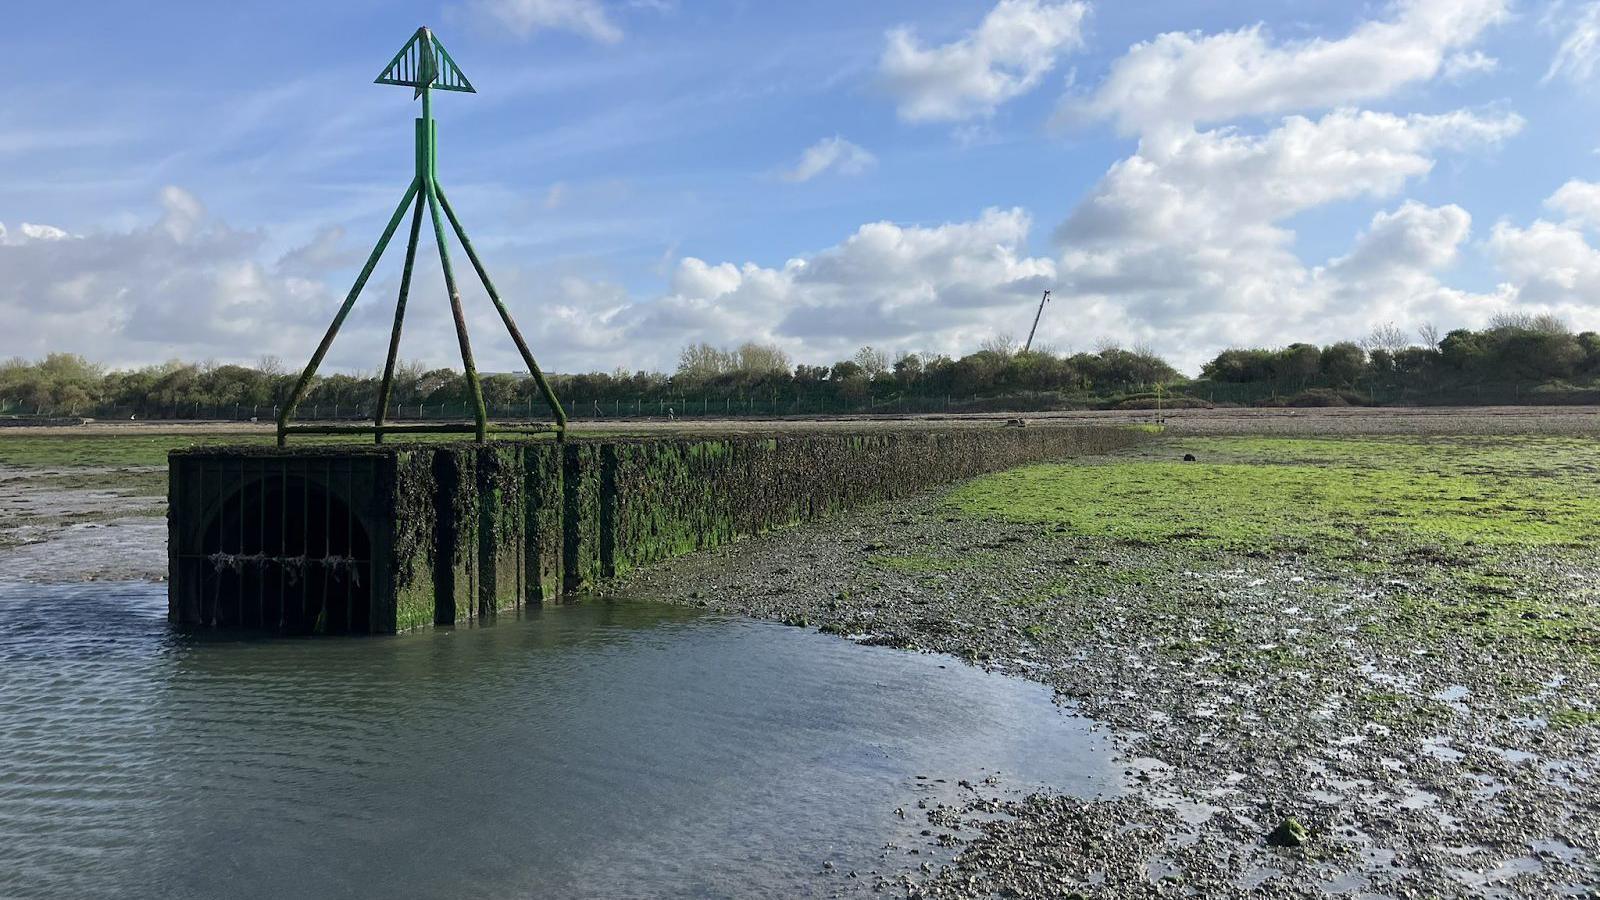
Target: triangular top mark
{"x": 423, "y": 62}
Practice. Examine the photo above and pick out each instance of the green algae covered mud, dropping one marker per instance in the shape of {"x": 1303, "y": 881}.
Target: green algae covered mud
{"x": 1330, "y": 494}
{"x": 363, "y": 539}
{"x": 1389, "y": 641}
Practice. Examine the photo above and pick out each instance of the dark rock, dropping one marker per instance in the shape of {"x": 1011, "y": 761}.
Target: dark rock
{"x": 1289, "y": 833}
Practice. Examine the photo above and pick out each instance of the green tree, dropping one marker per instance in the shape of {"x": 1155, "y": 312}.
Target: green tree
{"x": 1344, "y": 362}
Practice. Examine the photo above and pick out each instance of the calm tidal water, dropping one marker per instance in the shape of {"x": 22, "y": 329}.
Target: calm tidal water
{"x": 602, "y": 750}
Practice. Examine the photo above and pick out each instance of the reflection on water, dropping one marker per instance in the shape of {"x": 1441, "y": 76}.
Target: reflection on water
{"x": 605, "y": 750}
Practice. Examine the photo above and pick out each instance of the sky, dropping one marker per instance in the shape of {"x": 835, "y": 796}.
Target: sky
{"x": 203, "y": 180}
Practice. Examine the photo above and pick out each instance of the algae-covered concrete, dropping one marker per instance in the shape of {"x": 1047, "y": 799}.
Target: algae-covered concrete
{"x": 668, "y": 497}
{"x": 390, "y": 538}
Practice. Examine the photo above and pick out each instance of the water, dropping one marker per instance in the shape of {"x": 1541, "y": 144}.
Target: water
{"x": 603, "y": 750}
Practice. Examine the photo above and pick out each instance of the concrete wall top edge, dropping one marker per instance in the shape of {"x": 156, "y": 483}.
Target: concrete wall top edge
{"x": 684, "y": 437}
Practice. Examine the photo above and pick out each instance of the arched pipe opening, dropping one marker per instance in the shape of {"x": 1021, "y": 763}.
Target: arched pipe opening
{"x": 285, "y": 553}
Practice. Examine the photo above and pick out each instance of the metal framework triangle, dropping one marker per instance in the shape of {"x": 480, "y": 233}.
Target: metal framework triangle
{"x": 423, "y": 64}
{"x": 423, "y": 61}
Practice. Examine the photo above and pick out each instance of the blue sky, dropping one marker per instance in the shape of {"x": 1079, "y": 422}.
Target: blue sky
{"x": 202, "y": 180}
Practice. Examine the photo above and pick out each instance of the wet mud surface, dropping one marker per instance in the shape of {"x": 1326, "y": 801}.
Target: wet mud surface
{"x": 1423, "y": 707}
{"x": 83, "y": 523}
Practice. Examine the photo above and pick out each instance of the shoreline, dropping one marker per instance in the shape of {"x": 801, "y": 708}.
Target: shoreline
{"x": 1426, "y": 753}
{"x": 1244, "y": 688}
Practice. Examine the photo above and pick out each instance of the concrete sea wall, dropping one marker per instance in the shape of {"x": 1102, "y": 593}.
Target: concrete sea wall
{"x": 363, "y": 539}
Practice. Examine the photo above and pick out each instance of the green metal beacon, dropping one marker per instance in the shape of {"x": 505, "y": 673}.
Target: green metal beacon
{"x": 424, "y": 64}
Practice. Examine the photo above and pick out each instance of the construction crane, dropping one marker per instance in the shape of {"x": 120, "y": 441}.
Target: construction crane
{"x": 1042, "y": 301}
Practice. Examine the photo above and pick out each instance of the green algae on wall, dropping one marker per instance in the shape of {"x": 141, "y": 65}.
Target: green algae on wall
{"x": 502, "y": 550}
{"x": 663, "y": 498}
{"x": 412, "y": 523}
{"x": 580, "y": 516}
{"x": 542, "y": 509}
{"x": 456, "y": 556}
{"x": 461, "y": 531}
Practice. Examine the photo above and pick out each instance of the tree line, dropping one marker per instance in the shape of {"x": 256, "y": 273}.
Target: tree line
{"x": 1386, "y": 364}
{"x": 1514, "y": 350}
{"x": 63, "y": 383}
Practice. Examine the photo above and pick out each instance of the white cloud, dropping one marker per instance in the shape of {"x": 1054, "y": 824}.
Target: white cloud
{"x": 185, "y": 285}
{"x": 1547, "y": 262}
{"x": 1464, "y": 64}
{"x": 937, "y": 288}
{"x": 1579, "y": 52}
{"x": 524, "y": 17}
{"x": 1218, "y": 188}
{"x": 1183, "y": 79}
{"x": 1392, "y": 273}
{"x": 1552, "y": 267}
{"x": 31, "y": 232}
{"x": 181, "y": 285}
{"x": 1187, "y": 243}
{"x": 1413, "y": 237}
{"x": 833, "y": 153}
{"x": 1184, "y": 243}
{"x": 1006, "y": 56}
{"x": 325, "y": 254}
{"x": 1577, "y": 200}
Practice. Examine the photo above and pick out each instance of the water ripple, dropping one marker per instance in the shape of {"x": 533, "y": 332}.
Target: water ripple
{"x": 596, "y": 750}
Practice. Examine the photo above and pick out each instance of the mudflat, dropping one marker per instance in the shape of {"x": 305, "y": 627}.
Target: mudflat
{"x": 1333, "y": 661}
{"x": 1340, "y": 650}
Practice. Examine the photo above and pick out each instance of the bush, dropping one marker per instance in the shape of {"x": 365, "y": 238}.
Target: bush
{"x": 1170, "y": 401}
{"x": 1316, "y": 397}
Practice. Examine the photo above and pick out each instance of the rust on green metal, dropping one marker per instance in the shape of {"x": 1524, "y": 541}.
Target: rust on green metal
{"x": 424, "y": 65}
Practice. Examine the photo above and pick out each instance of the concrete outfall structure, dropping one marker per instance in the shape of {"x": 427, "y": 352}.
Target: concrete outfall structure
{"x": 381, "y": 539}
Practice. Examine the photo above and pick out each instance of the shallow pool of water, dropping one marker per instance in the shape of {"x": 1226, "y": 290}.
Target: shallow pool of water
{"x": 600, "y": 750}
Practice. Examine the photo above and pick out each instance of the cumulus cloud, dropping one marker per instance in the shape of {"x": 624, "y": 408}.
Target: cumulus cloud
{"x": 835, "y": 154}
{"x": 1579, "y": 53}
{"x": 1577, "y": 200}
{"x": 1006, "y": 56}
{"x": 186, "y": 285}
{"x": 180, "y": 285}
{"x": 525, "y": 17}
{"x": 325, "y": 254}
{"x": 1552, "y": 267}
{"x": 1391, "y": 275}
{"x": 1185, "y": 78}
{"x": 1547, "y": 262}
{"x": 935, "y": 288}
{"x": 1185, "y": 244}
{"x": 1412, "y": 238}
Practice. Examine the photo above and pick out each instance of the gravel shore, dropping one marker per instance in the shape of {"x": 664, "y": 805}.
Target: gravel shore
{"x": 1252, "y": 694}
